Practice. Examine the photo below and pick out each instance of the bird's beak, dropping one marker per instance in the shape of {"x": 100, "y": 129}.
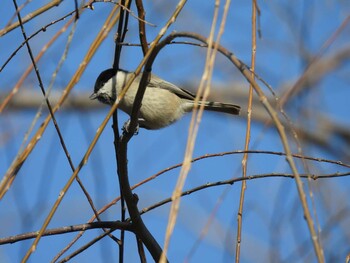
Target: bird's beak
{"x": 93, "y": 96}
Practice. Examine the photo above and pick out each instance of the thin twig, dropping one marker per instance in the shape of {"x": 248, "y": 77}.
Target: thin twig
{"x": 247, "y": 139}
{"x": 15, "y": 14}
{"x": 142, "y": 27}
{"x": 68, "y": 229}
{"x": 239, "y": 179}
{"x": 43, "y": 29}
{"x": 121, "y": 33}
{"x": 76, "y": 10}
{"x": 86, "y": 246}
{"x": 127, "y": 9}
{"x": 30, "y": 16}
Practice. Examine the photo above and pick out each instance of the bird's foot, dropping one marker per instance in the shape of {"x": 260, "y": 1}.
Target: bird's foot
{"x": 126, "y": 128}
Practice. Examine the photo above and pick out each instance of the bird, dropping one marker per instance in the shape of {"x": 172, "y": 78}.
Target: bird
{"x": 163, "y": 103}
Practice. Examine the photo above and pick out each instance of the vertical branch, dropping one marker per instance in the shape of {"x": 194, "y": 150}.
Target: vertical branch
{"x": 142, "y": 26}
{"x": 121, "y": 33}
{"x": 247, "y": 138}
{"x": 144, "y": 46}
{"x": 76, "y": 9}
{"x": 131, "y": 200}
{"x": 118, "y": 47}
{"x": 122, "y": 201}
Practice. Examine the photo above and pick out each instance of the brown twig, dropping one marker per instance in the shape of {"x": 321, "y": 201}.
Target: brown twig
{"x": 30, "y": 68}
{"x": 30, "y": 16}
{"x": 86, "y": 246}
{"x": 15, "y": 14}
{"x": 142, "y": 28}
{"x": 239, "y": 179}
{"x": 247, "y": 138}
{"x": 127, "y": 9}
{"x": 121, "y": 33}
{"x": 43, "y": 29}
{"x": 69, "y": 229}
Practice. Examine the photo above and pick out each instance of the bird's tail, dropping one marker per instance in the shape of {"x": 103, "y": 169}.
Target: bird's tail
{"x": 221, "y": 107}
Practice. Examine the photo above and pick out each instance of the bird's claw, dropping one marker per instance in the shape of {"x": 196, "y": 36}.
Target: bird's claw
{"x": 126, "y": 128}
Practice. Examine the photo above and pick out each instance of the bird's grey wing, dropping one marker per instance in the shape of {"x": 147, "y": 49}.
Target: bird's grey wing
{"x": 157, "y": 82}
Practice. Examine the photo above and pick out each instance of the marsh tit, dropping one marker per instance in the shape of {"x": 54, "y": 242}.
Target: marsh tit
{"x": 163, "y": 103}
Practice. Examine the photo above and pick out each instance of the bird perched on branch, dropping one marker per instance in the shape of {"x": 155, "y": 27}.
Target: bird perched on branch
{"x": 163, "y": 102}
